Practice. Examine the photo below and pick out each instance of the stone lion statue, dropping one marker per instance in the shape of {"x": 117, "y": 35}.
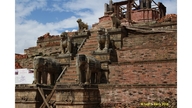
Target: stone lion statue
{"x": 65, "y": 43}
{"x": 103, "y": 40}
{"x": 115, "y": 21}
{"x": 82, "y": 26}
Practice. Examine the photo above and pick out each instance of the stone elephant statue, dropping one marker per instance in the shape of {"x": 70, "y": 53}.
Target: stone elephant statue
{"x": 44, "y": 66}
{"x": 88, "y": 69}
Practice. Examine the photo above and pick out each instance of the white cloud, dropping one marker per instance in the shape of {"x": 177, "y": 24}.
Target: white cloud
{"x": 28, "y": 32}
{"x": 74, "y": 30}
{"x": 24, "y": 8}
{"x": 55, "y": 7}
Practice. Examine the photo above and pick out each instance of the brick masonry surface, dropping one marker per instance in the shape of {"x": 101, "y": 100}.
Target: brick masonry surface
{"x": 132, "y": 97}
{"x": 144, "y": 60}
{"x": 144, "y": 15}
{"x": 150, "y": 40}
{"x": 148, "y": 54}
{"x": 144, "y": 73}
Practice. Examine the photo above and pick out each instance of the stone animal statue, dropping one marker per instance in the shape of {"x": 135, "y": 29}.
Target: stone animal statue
{"x": 65, "y": 43}
{"x": 103, "y": 40}
{"x": 82, "y": 26}
{"x": 88, "y": 69}
{"x": 42, "y": 67}
{"x": 115, "y": 21}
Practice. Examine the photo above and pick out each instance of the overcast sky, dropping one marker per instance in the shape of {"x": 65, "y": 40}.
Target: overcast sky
{"x": 34, "y": 18}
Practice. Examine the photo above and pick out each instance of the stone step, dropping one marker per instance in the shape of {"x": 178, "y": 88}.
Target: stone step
{"x": 94, "y": 33}
{"x": 92, "y": 40}
{"x": 88, "y": 49}
{"x": 93, "y": 37}
{"x": 70, "y": 76}
{"x": 85, "y": 52}
{"x": 73, "y": 64}
{"x": 71, "y": 72}
{"x": 71, "y": 68}
{"x": 90, "y": 43}
{"x": 73, "y": 61}
{"x": 68, "y": 81}
{"x": 89, "y": 46}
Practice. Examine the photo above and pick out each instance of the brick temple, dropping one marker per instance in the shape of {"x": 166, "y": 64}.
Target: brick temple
{"x": 138, "y": 69}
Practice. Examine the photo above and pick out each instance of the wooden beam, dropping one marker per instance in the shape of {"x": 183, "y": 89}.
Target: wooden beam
{"x": 53, "y": 90}
{"x": 121, "y": 2}
{"x": 48, "y": 97}
{"x": 129, "y": 8}
{"x": 64, "y": 70}
{"x": 155, "y": 2}
{"x": 43, "y": 97}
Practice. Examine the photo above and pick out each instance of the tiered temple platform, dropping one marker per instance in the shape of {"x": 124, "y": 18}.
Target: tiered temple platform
{"x": 138, "y": 66}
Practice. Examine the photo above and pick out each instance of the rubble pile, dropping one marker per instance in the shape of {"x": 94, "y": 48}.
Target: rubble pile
{"x": 47, "y": 36}
{"x": 52, "y": 44}
{"x": 19, "y": 56}
{"x": 167, "y": 18}
{"x": 17, "y": 65}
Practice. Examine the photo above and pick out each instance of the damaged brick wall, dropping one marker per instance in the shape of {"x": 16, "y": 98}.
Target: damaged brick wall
{"x": 145, "y": 63}
{"x": 144, "y": 73}
{"x": 144, "y": 15}
{"x": 25, "y": 62}
{"x": 150, "y": 40}
{"x": 129, "y": 96}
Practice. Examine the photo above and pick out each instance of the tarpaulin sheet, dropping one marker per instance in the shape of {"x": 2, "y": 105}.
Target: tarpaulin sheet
{"x": 24, "y": 76}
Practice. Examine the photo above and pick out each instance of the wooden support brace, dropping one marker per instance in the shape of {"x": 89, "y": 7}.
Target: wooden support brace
{"x": 48, "y": 97}
{"x": 43, "y": 97}
{"x": 61, "y": 74}
{"x": 53, "y": 90}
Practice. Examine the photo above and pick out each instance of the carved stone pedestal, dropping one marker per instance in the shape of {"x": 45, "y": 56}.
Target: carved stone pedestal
{"x": 102, "y": 56}
{"x": 85, "y": 33}
{"x": 75, "y": 96}
{"x": 116, "y": 35}
{"x": 105, "y": 59}
{"x": 64, "y": 59}
{"x": 28, "y": 96}
{"x": 79, "y": 38}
